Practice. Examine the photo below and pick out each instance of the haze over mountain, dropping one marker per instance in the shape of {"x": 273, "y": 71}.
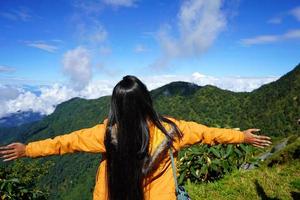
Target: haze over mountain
{"x": 19, "y": 118}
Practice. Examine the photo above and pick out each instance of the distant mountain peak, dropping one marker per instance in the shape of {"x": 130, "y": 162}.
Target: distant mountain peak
{"x": 176, "y": 88}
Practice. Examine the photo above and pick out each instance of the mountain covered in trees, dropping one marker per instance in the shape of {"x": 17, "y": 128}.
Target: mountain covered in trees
{"x": 274, "y": 108}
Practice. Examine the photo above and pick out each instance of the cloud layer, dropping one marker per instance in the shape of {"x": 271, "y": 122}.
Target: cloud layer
{"x": 45, "y": 99}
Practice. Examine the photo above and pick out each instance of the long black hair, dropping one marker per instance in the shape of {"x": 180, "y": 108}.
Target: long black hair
{"x": 127, "y": 138}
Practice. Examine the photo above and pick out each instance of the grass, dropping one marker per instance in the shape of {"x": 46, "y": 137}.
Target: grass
{"x": 278, "y": 182}
{"x": 281, "y": 181}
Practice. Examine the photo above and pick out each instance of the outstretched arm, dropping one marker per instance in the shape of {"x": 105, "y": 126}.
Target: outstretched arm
{"x": 194, "y": 133}
{"x": 87, "y": 140}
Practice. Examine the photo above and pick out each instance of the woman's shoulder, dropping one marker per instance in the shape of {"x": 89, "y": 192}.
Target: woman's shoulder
{"x": 176, "y": 121}
{"x": 171, "y": 118}
{"x": 105, "y": 121}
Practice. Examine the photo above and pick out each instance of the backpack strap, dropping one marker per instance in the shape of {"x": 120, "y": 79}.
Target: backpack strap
{"x": 174, "y": 170}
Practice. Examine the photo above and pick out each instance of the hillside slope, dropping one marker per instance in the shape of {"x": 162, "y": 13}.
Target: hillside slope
{"x": 278, "y": 177}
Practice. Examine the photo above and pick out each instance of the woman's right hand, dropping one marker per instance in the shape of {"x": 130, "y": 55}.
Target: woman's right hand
{"x": 12, "y": 151}
{"x": 260, "y": 141}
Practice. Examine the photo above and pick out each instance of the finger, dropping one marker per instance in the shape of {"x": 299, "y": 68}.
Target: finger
{"x": 263, "y": 137}
{"x": 254, "y": 129}
{"x": 12, "y": 158}
{"x": 261, "y": 144}
{"x": 9, "y": 155}
{"x": 258, "y": 146}
{"x": 7, "y": 151}
{"x": 265, "y": 144}
{"x": 263, "y": 141}
{"x": 12, "y": 144}
{"x": 5, "y": 147}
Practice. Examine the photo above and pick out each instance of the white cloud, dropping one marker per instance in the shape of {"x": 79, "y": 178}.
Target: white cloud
{"x": 21, "y": 14}
{"x": 96, "y": 6}
{"x": 6, "y": 69}
{"x": 77, "y": 66}
{"x": 19, "y": 99}
{"x": 88, "y": 27}
{"x": 199, "y": 23}
{"x": 99, "y": 34}
{"x": 262, "y": 39}
{"x": 296, "y": 13}
{"x": 88, "y": 7}
{"x": 44, "y": 103}
{"x": 7, "y": 93}
{"x": 91, "y": 32}
{"x": 275, "y": 20}
{"x": 119, "y": 3}
{"x": 57, "y": 40}
{"x": 139, "y": 48}
{"x": 104, "y": 50}
{"x": 15, "y": 99}
{"x": 233, "y": 83}
{"x": 292, "y": 34}
{"x": 42, "y": 45}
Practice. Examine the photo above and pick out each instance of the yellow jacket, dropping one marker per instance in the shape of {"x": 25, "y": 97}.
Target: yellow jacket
{"x": 162, "y": 182}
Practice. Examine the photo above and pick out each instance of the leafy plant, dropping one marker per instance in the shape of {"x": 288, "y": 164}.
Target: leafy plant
{"x": 202, "y": 163}
{"x": 18, "y": 181}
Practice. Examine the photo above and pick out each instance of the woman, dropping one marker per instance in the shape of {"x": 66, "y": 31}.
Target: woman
{"x": 134, "y": 141}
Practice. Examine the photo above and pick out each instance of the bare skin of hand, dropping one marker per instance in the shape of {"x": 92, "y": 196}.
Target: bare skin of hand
{"x": 260, "y": 141}
{"x": 12, "y": 151}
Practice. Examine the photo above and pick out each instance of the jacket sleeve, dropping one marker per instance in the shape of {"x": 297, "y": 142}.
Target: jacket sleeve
{"x": 86, "y": 140}
{"x": 194, "y": 133}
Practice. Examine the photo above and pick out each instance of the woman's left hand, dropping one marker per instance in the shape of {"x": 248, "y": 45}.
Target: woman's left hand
{"x": 12, "y": 151}
{"x": 260, "y": 141}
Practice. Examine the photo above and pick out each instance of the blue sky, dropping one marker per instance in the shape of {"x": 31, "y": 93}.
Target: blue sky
{"x": 77, "y": 43}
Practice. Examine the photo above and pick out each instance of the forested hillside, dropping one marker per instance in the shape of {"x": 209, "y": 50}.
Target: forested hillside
{"x": 274, "y": 108}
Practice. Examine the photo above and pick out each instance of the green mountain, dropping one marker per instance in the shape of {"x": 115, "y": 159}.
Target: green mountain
{"x": 274, "y": 108}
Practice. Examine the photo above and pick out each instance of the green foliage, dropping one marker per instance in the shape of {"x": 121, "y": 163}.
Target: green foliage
{"x": 279, "y": 181}
{"x": 274, "y": 107}
{"x": 203, "y": 163}
{"x": 18, "y": 181}
{"x": 295, "y": 184}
